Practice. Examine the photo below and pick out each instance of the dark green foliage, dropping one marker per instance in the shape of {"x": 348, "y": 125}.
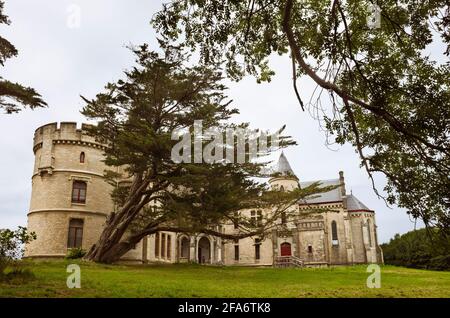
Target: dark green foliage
{"x": 419, "y": 249}
{"x": 75, "y": 253}
{"x": 13, "y": 96}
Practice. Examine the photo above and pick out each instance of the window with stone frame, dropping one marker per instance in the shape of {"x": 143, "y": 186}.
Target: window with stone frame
{"x": 75, "y": 235}
{"x": 236, "y": 250}
{"x": 334, "y": 233}
{"x": 82, "y": 157}
{"x": 257, "y": 249}
{"x": 79, "y": 189}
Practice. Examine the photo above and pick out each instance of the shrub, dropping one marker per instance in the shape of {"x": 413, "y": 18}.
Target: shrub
{"x": 11, "y": 246}
{"x": 75, "y": 253}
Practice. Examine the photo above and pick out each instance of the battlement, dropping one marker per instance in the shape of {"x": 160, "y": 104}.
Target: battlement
{"x": 65, "y": 132}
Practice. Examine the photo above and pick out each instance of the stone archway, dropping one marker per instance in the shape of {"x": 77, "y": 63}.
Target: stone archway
{"x": 185, "y": 249}
{"x": 204, "y": 250}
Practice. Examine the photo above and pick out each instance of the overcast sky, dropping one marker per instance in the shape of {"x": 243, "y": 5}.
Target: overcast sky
{"x": 63, "y": 61}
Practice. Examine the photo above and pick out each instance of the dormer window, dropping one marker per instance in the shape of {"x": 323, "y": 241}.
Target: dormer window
{"x": 82, "y": 157}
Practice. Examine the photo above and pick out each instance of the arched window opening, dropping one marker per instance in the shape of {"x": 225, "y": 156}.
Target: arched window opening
{"x": 334, "y": 233}
{"x": 82, "y": 157}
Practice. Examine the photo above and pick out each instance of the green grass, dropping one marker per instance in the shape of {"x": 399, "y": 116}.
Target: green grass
{"x": 207, "y": 281}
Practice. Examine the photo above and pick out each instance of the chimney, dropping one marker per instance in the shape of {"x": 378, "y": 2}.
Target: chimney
{"x": 342, "y": 182}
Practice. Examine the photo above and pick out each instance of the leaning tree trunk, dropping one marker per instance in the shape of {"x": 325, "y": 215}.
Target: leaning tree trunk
{"x": 111, "y": 247}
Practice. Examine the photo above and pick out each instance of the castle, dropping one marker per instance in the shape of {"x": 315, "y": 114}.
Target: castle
{"x": 70, "y": 202}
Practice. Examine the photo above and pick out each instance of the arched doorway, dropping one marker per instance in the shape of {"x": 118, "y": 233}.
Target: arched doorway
{"x": 285, "y": 249}
{"x": 184, "y": 249}
{"x": 204, "y": 250}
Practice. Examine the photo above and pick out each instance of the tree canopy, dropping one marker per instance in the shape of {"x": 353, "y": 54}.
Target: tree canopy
{"x": 14, "y": 96}
{"x": 378, "y": 88}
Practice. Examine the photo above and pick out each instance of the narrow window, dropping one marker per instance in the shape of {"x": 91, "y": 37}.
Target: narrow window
{"x": 163, "y": 245}
{"x": 79, "y": 192}
{"x": 157, "y": 244}
{"x": 236, "y": 252}
{"x": 259, "y": 218}
{"x": 334, "y": 233}
{"x": 283, "y": 218}
{"x": 282, "y": 188}
{"x": 258, "y": 249}
{"x": 253, "y": 218}
{"x": 82, "y": 157}
{"x": 169, "y": 246}
{"x": 75, "y": 237}
{"x": 310, "y": 250}
{"x": 369, "y": 233}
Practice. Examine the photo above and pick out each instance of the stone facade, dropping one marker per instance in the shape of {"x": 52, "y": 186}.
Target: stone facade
{"x": 344, "y": 232}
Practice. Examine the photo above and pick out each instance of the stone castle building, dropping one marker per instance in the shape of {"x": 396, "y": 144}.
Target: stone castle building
{"x": 70, "y": 202}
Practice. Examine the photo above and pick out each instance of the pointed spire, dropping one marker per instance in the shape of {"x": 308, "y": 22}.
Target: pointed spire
{"x": 283, "y": 167}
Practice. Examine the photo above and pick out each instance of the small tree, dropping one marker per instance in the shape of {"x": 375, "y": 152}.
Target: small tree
{"x": 12, "y": 243}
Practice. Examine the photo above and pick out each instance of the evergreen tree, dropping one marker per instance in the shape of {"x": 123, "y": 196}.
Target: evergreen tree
{"x": 13, "y": 96}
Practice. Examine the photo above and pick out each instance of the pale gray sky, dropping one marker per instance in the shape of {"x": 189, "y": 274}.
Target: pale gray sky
{"x": 63, "y": 62}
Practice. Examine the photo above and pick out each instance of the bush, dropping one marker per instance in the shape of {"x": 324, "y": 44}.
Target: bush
{"x": 425, "y": 249}
{"x": 440, "y": 263}
{"x": 75, "y": 253}
{"x": 11, "y": 246}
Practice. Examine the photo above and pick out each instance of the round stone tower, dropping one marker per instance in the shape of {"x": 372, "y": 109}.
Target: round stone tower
{"x": 70, "y": 198}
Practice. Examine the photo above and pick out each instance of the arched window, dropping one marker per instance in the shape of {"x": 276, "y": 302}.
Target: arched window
{"x": 82, "y": 157}
{"x": 334, "y": 233}
{"x": 75, "y": 236}
{"x": 79, "y": 192}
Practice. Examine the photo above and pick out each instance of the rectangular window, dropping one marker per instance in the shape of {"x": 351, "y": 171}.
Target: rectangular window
{"x": 283, "y": 218}
{"x": 79, "y": 192}
{"x": 75, "y": 237}
{"x": 163, "y": 245}
{"x": 310, "y": 250}
{"x": 169, "y": 245}
{"x": 257, "y": 249}
{"x": 157, "y": 244}
{"x": 236, "y": 252}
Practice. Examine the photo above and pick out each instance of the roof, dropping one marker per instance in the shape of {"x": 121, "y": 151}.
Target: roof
{"x": 283, "y": 167}
{"x": 353, "y": 204}
{"x": 330, "y": 196}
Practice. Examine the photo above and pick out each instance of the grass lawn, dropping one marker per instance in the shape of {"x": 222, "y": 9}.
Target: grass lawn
{"x": 207, "y": 281}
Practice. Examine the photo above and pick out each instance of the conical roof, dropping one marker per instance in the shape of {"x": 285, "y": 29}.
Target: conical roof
{"x": 283, "y": 167}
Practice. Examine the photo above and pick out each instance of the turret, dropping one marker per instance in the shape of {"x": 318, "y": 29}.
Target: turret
{"x": 284, "y": 177}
